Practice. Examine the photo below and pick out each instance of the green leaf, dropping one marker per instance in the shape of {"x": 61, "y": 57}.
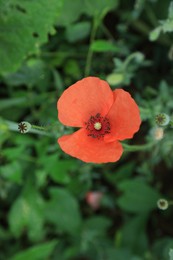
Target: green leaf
{"x": 99, "y": 8}
{"x": 94, "y": 229}
{"x": 167, "y": 26}
{"x": 12, "y": 172}
{"x": 98, "y": 224}
{"x": 58, "y": 81}
{"x": 162, "y": 248}
{"x": 155, "y": 34}
{"x": 31, "y": 73}
{"x": 30, "y": 209}
{"x": 72, "y": 68}
{"x": 38, "y": 252}
{"x": 103, "y": 46}
{"x": 122, "y": 173}
{"x": 12, "y": 102}
{"x": 134, "y": 233}
{"x": 120, "y": 254}
{"x": 20, "y": 207}
{"x": 63, "y": 210}
{"x": 13, "y": 153}
{"x": 70, "y": 12}
{"x": 58, "y": 170}
{"x": 137, "y": 196}
{"x": 23, "y": 28}
{"x": 78, "y": 31}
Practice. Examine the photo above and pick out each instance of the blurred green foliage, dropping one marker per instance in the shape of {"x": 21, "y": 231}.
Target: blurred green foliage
{"x": 45, "y": 46}
{"x": 24, "y": 28}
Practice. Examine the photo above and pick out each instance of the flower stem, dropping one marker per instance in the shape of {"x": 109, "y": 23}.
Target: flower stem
{"x": 41, "y": 128}
{"x": 135, "y": 148}
{"x": 132, "y": 56}
{"x": 90, "y": 51}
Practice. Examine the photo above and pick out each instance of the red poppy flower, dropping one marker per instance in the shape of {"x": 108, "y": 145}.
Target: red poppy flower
{"x": 105, "y": 117}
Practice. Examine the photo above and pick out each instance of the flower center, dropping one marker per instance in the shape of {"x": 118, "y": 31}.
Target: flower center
{"x": 97, "y": 126}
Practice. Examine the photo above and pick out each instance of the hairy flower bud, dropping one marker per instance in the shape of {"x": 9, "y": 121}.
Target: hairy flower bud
{"x": 157, "y": 133}
{"x": 93, "y": 198}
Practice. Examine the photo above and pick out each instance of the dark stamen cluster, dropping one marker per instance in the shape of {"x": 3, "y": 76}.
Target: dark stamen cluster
{"x": 105, "y": 126}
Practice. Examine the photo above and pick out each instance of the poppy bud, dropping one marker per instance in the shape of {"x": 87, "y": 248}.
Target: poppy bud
{"x": 157, "y": 133}
{"x": 162, "y": 119}
{"x": 93, "y": 198}
{"x": 115, "y": 78}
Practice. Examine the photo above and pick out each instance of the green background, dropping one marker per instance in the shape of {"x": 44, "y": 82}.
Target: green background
{"x": 46, "y": 46}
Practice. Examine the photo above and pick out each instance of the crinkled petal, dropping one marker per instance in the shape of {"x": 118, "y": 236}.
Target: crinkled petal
{"x": 85, "y": 98}
{"x": 124, "y": 117}
{"x": 88, "y": 149}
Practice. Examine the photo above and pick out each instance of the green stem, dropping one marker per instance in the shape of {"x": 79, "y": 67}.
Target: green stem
{"x": 6, "y": 125}
{"x": 90, "y": 52}
{"x": 107, "y": 32}
{"x": 41, "y": 128}
{"x": 135, "y": 148}
{"x": 129, "y": 59}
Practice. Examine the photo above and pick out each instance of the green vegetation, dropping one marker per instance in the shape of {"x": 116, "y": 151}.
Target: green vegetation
{"x": 45, "y": 211}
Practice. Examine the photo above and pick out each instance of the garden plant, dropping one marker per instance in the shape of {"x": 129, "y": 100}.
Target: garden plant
{"x": 86, "y": 130}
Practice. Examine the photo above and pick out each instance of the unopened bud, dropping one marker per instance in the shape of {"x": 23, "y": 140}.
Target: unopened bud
{"x": 157, "y": 133}
{"x": 93, "y": 198}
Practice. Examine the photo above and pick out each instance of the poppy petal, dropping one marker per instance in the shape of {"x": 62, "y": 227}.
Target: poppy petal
{"x": 85, "y": 98}
{"x": 88, "y": 149}
{"x": 124, "y": 117}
